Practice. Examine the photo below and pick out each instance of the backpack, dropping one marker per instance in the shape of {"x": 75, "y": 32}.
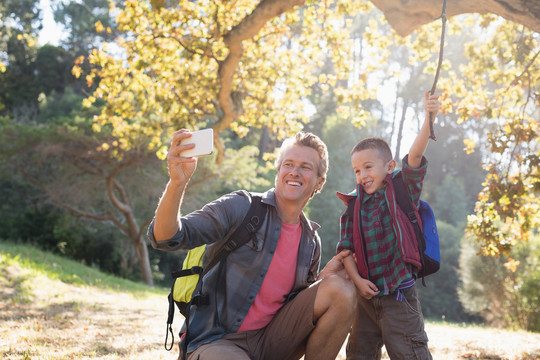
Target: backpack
{"x": 427, "y": 236}
{"x": 191, "y": 274}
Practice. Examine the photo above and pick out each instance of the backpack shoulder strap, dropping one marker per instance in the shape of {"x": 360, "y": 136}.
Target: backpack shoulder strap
{"x": 403, "y": 199}
{"x": 250, "y": 225}
{"x": 405, "y": 203}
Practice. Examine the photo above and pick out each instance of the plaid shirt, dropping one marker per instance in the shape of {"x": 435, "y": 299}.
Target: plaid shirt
{"x": 386, "y": 267}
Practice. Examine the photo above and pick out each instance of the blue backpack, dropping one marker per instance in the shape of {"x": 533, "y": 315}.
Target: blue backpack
{"x": 427, "y": 236}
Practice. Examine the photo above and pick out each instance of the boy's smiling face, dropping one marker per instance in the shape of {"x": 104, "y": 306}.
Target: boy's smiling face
{"x": 371, "y": 169}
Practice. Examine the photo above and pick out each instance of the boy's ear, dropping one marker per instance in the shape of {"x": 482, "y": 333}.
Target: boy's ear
{"x": 390, "y": 166}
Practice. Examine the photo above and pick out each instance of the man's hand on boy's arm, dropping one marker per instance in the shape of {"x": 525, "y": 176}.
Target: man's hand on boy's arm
{"x": 418, "y": 148}
{"x": 335, "y": 266}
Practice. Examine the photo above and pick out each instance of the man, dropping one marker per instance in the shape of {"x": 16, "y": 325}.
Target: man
{"x": 267, "y": 300}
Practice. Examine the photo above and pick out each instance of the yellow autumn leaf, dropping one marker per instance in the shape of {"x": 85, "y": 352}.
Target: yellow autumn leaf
{"x": 88, "y": 101}
{"x": 469, "y": 145}
{"x": 99, "y": 26}
{"x": 512, "y": 264}
{"x": 76, "y": 71}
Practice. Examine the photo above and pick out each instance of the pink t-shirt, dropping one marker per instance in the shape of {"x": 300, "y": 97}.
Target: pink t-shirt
{"x": 279, "y": 279}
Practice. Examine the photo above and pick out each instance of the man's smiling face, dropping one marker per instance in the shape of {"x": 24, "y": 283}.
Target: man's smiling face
{"x": 297, "y": 177}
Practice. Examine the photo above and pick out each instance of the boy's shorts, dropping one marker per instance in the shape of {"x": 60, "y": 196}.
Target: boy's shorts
{"x": 283, "y": 338}
{"x": 397, "y": 325}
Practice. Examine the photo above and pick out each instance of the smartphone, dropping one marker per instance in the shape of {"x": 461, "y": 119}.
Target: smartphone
{"x": 204, "y": 143}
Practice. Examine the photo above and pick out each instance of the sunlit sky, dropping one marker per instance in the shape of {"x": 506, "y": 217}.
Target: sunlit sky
{"x": 51, "y": 32}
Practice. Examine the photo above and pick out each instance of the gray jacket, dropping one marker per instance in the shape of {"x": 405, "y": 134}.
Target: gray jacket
{"x": 244, "y": 269}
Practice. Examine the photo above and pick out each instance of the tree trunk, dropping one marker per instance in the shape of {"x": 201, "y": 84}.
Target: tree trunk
{"x": 395, "y": 111}
{"x": 263, "y": 142}
{"x": 397, "y": 154}
{"x": 246, "y": 29}
{"x": 142, "y": 257}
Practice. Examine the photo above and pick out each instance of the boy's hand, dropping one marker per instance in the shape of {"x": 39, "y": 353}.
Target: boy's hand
{"x": 431, "y": 104}
{"x": 367, "y": 289}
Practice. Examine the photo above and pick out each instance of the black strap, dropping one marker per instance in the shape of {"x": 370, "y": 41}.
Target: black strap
{"x": 404, "y": 201}
{"x": 195, "y": 270}
{"x": 250, "y": 225}
{"x": 170, "y": 318}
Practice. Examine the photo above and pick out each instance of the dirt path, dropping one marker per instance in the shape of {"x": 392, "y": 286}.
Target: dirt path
{"x": 42, "y": 318}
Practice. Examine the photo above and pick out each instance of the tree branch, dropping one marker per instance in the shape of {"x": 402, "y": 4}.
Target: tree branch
{"x": 407, "y": 16}
{"x": 246, "y": 29}
{"x": 106, "y": 216}
{"x": 144, "y": 226}
{"x": 526, "y": 70}
{"x": 112, "y": 185}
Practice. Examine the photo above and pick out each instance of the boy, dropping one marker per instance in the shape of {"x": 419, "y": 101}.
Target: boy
{"x": 385, "y": 249}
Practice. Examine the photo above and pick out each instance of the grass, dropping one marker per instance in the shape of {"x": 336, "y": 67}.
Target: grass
{"x": 54, "y": 308}
{"x": 67, "y": 271}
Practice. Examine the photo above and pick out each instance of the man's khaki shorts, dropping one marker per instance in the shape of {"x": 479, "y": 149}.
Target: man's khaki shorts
{"x": 283, "y": 338}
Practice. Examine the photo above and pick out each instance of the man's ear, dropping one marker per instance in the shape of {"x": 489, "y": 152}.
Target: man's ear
{"x": 320, "y": 183}
{"x": 390, "y": 166}
{"x": 319, "y": 186}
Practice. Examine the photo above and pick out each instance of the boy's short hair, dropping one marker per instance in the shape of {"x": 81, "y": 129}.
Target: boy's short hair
{"x": 376, "y": 144}
{"x": 310, "y": 140}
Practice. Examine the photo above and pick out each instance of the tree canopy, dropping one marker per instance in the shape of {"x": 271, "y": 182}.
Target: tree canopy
{"x": 190, "y": 65}
{"x": 279, "y": 66}
{"x": 245, "y": 64}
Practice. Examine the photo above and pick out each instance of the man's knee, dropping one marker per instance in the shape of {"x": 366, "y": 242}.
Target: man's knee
{"x": 340, "y": 293}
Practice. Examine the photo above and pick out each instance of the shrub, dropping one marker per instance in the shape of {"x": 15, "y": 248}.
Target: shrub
{"x": 505, "y": 291}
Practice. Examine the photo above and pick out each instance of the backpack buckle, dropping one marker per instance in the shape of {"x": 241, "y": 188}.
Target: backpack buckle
{"x": 231, "y": 245}
{"x": 253, "y": 222}
{"x": 412, "y": 217}
{"x": 200, "y": 299}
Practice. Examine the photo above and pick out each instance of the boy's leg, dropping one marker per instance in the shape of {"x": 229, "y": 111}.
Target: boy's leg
{"x": 403, "y": 327}
{"x": 315, "y": 322}
{"x": 365, "y": 340}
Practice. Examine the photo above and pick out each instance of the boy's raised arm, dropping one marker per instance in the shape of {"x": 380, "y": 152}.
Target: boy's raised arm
{"x": 419, "y": 146}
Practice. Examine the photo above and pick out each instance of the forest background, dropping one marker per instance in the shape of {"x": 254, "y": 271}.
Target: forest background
{"x": 84, "y": 128}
